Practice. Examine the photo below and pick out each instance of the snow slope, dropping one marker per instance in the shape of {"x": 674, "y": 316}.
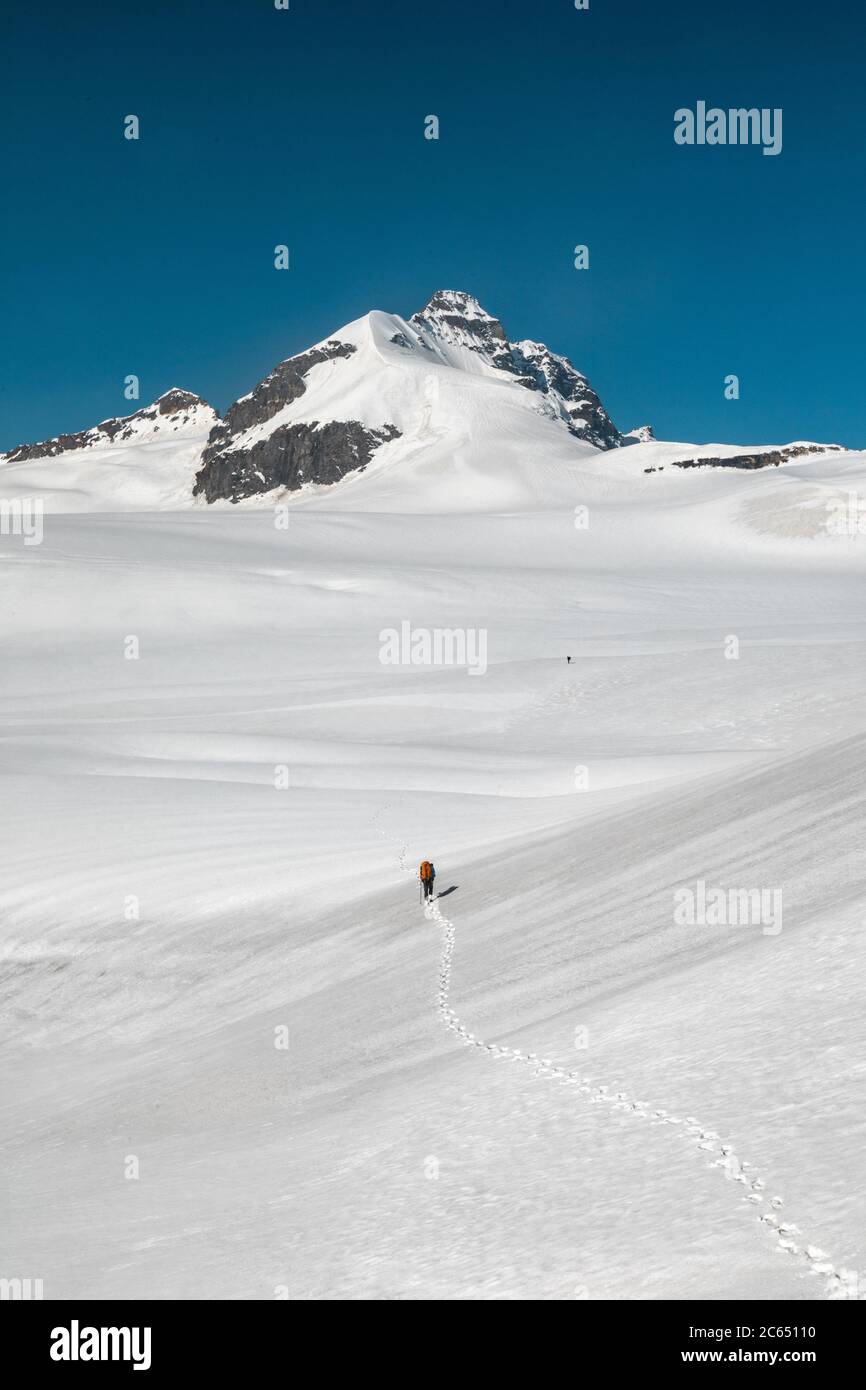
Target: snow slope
{"x": 168, "y": 903}
{"x": 143, "y": 460}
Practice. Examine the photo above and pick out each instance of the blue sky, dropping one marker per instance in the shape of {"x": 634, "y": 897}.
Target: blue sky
{"x": 305, "y": 127}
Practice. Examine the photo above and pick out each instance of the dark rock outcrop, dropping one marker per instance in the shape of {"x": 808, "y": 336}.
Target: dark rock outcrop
{"x": 241, "y": 461}
{"x": 288, "y": 457}
{"x": 769, "y": 458}
{"x": 281, "y": 386}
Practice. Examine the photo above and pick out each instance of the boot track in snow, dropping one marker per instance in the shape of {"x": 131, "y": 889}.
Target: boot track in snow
{"x": 839, "y": 1283}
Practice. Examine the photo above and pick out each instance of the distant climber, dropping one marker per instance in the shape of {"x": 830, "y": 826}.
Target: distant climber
{"x": 568, "y": 659}
{"x": 426, "y": 874}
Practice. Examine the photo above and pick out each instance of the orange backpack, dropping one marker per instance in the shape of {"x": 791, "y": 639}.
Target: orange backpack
{"x": 426, "y": 870}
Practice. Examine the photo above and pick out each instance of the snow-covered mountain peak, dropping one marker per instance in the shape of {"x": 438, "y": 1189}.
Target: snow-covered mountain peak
{"x": 454, "y": 322}
{"x": 457, "y": 319}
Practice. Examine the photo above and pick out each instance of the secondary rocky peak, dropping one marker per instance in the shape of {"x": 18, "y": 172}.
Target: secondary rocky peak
{"x": 176, "y": 401}
{"x": 175, "y": 412}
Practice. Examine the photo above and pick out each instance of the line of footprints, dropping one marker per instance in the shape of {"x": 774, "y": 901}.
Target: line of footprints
{"x": 838, "y": 1283}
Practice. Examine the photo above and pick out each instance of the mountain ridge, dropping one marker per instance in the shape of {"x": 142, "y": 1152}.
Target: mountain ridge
{"x": 452, "y": 324}
{"x": 442, "y": 405}
{"x": 176, "y": 411}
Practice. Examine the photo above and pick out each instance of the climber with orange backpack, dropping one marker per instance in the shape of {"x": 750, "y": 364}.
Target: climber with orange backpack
{"x": 426, "y": 874}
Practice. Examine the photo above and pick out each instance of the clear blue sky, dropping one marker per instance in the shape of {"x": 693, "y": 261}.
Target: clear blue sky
{"x": 261, "y": 126}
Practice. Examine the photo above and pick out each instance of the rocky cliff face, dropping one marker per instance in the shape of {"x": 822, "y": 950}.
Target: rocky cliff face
{"x": 289, "y": 457}
{"x": 282, "y": 386}
{"x": 457, "y": 318}
{"x": 567, "y": 391}
{"x": 244, "y": 456}
{"x": 174, "y": 413}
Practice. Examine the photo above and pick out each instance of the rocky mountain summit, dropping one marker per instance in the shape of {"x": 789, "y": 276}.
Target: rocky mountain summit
{"x": 276, "y": 436}
{"x": 457, "y": 318}
{"x": 258, "y": 447}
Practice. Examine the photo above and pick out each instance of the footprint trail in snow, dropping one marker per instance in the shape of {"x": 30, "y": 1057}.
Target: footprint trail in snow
{"x": 839, "y": 1283}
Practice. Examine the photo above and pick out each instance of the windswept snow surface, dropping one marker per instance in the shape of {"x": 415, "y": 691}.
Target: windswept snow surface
{"x": 169, "y": 905}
